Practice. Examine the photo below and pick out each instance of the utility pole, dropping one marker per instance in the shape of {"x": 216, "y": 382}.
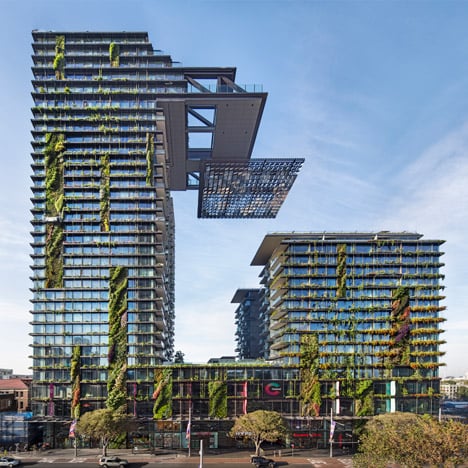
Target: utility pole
{"x": 201, "y": 454}
{"x": 332, "y": 430}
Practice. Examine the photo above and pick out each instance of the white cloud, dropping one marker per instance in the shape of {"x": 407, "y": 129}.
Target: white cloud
{"x": 431, "y": 197}
{"x": 205, "y": 329}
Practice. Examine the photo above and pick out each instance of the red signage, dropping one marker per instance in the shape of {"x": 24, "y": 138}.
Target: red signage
{"x": 307, "y": 434}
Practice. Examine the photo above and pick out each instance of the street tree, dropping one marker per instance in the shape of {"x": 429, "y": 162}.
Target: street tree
{"x": 260, "y": 426}
{"x": 412, "y": 440}
{"x": 179, "y": 357}
{"x": 103, "y": 424}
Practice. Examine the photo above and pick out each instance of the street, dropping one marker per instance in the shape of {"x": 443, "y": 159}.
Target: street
{"x": 194, "y": 463}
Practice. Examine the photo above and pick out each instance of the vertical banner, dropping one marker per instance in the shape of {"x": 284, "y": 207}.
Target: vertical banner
{"x": 135, "y": 392}
{"x": 244, "y": 394}
{"x": 51, "y": 400}
{"x": 332, "y": 430}
{"x": 189, "y": 425}
{"x": 71, "y": 432}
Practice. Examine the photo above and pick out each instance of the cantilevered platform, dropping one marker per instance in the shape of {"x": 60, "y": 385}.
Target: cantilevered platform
{"x": 255, "y": 188}
{"x": 210, "y": 132}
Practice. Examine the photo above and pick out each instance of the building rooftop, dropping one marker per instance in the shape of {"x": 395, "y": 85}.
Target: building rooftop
{"x": 272, "y": 241}
{"x": 210, "y": 124}
{"x": 12, "y": 384}
{"x": 240, "y": 294}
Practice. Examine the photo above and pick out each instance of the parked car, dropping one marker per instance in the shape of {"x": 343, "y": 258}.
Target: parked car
{"x": 260, "y": 462}
{"x": 9, "y": 461}
{"x": 112, "y": 461}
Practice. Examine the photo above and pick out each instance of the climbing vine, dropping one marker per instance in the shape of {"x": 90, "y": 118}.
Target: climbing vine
{"x": 341, "y": 270}
{"x": 400, "y": 331}
{"x": 310, "y": 394}
{"x": 117, "y": 357}
{"x": 149, "y": 158}
{"x": 114, "y": 54}
{"x": 162, "y": 395}
{"x": 105, "y": 193}
{"x": 217, "y": 392}
{"x": 347, "y": 385}
{"x": 75, "y": 375}
{"x": 59, "y": 59}
{"x": 53, "y": 161}
{"x": 364, "y": 398}
{"x": 54, "y": 259}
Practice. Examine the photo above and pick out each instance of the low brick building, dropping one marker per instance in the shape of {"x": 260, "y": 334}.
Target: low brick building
{"x": 19, "y": 389}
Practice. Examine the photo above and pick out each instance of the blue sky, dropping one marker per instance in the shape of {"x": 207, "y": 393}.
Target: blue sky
{"x": 371, "y": 93}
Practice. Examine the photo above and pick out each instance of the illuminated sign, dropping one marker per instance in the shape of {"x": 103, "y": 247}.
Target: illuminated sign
{"x": 272, "y": 389}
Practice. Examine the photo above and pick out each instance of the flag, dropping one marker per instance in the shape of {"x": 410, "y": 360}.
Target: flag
{"x": 71, "y": 432}
{"x": 332, "y": 430}
{"x": 189, "y": 425}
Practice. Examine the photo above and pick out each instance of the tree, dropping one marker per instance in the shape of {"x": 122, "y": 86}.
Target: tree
{"x": 411, "y": 440}
{"x": 179, "y": 357}
{"x": 448, "y": 442}
{"x": 260, "y": 426}
{"x": 462, "y": 393}
{"x": 103, "y": 424}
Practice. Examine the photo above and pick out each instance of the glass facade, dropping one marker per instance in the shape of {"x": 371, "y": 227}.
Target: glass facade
{"x": 251, "y": 328}
{"x": 366, "y": 306}
{"x": 117, "y": 125}
{"x": 101, "y": 208}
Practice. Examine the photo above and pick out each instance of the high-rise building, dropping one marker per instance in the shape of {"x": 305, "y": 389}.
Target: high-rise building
{"x": 357, "y": 307}
{"x": 117, "y": 125}
{"x": 251, "y": 328}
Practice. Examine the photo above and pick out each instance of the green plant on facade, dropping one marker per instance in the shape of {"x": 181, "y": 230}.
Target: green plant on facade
{"x": 53, "y": 159}
{"x": 217, "y": 391}
{"x": 162, "y": 395}
{"x": 341, "y": 270}
{"x": 75, "y": 376}
{"x": 114, "y": 54}
{"x": 149, "y": 158}
{"x": 400, "y": 332}
{"x": 117, "y": 356}
{"x": 347, "y": 385}
{"x": 364, "y": 398}
{"x": 54, "y": 205}
{"x": 310, "y": 395}
{"x": 54, "y": 256}
{"x": 104, "y": 193}
{"x": 59, "y": 59}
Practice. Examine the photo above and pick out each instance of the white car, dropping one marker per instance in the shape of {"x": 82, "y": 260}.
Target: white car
{"x": 9, "y": 461}
{"x": 112, "y": 461}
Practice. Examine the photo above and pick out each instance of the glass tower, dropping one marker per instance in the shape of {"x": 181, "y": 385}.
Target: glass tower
{"x": 250, "y": 324}
{"x": 357, "y": 307}
{"x": 117, "y": 125}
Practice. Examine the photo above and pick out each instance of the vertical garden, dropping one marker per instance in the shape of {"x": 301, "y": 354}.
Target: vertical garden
{"x": 53, "y": 160}
{"x": 75, "y": 375}
{"x": 117, "y": 356}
